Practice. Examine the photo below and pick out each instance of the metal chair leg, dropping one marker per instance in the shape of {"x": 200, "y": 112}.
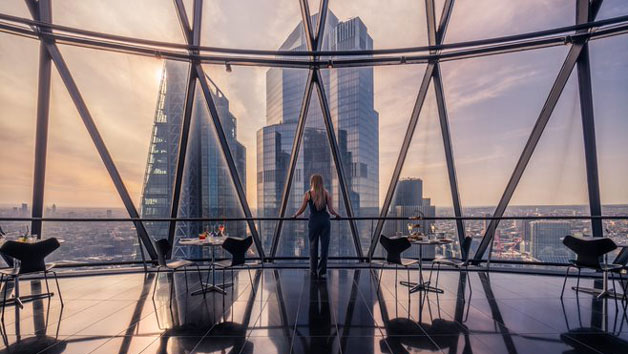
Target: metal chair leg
{"x": 578, "y": 282}
{"x": 200, "y": 279}
{"x": 565, "y": 281}
{"x": 185, "y": 274}
{"x": 4, "y": 299}
{"x": 46, "y": 281}
{"x": 248, "y": 269}
{"x": 469, "y": 280}
{"x": 156, "y": 280}
{"x": 437, "y": 275}
{"x": 171, "y": 289}
{"x": 58, "y": 288}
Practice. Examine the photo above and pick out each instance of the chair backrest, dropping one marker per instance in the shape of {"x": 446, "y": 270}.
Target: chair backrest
{"x": 237, "y": 247}
{"x": 466, "y": 247}
{"x": 162, "y": 247}
{"x": 30, "y": 255}
{"x": 589, "y": 251}
{"x": 394, "y": 247}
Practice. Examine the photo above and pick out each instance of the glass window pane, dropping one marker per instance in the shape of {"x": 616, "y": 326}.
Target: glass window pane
{"x": 19, "y": 69}
{"x": 553, "y": 184}
{"x": 147, "y": 19}
{"x": 78, "y": 186}
{"x": 478, "y": 19}
{"x": 493, "y": 103}
{"x": 609, "y": 74}
{"x": 612, "y": 8}
{"x": 15, "y": 8}
{"x": 363, "y": 25}
{"x": 256, "y": 24}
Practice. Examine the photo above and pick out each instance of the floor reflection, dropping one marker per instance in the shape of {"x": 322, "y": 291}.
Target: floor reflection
{"x": 287, "y": 312}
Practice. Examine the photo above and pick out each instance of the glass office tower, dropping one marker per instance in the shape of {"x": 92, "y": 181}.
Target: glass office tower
{"x": 350, "y": 96}
{"x": 207, "y": 189}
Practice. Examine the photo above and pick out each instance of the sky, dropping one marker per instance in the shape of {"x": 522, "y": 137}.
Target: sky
{"x": 492, "y": 102}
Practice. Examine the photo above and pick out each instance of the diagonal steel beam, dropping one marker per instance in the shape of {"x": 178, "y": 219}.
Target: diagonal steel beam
{"x": 333, "y": 144}
{"x": 89, "y": 123}
{"x": 435, "y": 35}
{"x": 435, "y": 39}
{"x": 535, "y": 136}
{"x": 226, "y": 151}
{"x": 294, "y": 156}
{"x": 317, "y": 43}
{"x": 575, "y": 52}
{"x": 306, "y": 18}
{"x": 405, "y": 146}
{"x": 192, "y": 35}
{"x": 41, "y": 11}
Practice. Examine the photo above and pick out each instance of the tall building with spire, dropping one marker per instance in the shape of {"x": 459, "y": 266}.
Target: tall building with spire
{"x": 207, "y": 189}
{"x": 356, "y": 123}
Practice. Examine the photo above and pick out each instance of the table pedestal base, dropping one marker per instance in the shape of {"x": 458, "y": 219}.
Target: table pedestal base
{"x": 208, "y": 288}
{"x": 425, "y": 286}
{"x": 599, "y": 293}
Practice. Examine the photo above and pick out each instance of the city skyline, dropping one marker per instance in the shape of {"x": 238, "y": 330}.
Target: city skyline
{"x": 480, "y": 165}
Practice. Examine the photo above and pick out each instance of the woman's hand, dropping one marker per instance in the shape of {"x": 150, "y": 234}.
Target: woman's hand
{"x": 294, "y": 216}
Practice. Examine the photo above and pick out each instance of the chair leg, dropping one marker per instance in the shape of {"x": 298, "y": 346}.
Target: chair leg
{"x": 185, "y": 274}
{"x": 466, "y": 269}
{"x": 4, "y": 298}
{"x": 46, "y": 281}
{"x": 248, "y": 269}
{"x": 200, "y": 279}
{"x": 578, "y": 282}
{"x": 614, "y": 292}
{"x": 156, "y": 280}
{"x": 565, "y": 282}
{"x": 58, "y": 288}
{"x": 437, "y": 275}
{"x": 171, "y": 288}
{"x": 379, "y": 281}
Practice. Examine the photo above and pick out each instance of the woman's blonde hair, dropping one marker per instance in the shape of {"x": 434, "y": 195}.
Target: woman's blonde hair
{"x": 317, "y": 191}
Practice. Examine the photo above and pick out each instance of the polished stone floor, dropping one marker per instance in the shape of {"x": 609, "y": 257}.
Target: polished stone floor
{"x": 288, "y": 312}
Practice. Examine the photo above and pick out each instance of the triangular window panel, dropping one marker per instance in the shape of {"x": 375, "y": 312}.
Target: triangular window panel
{"x": 146, "y": 19}
{"x": 480, "y": 19}
{"x": 609, "y": 74}
{"x": 381, "y": 25}
{"x": 423, "y": 188}
{"x": 266, "y": 24}
{"x": 79, "y": 186}
{"x": 315, "y": 158}
{"x": 207, "y": 189}
{"x": 554, "y": 183}
{"x": 612, "y": 8}
{"x": 493, "y": 103}
{"x": 374, "y": 119}
{"x": 19, "y": 71}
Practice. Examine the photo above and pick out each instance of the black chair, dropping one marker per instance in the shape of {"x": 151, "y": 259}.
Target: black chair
{"x": 163, "y": 248}
{"x": 31, "y": 257}
{"x": 588, "y": 253}
{"x": 458, "y": 263}
{"x": 394, "y": 246}
{"x": 237, "y": 247}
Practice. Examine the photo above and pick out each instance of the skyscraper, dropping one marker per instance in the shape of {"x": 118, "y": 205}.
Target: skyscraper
{"x": 546, "y": 240}
{"x": 356, "y": 124}
{"x": 408, "y": 201}
{"x": 207, "y": 189}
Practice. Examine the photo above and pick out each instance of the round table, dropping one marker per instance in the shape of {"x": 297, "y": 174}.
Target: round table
{"x": 424, "y": 285}
{"x": 212, "y": 242}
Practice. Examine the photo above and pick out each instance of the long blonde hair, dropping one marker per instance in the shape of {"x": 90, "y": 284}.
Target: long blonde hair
{"x": 317, "y": 191}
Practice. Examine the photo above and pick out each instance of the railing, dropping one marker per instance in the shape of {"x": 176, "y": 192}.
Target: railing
{"x": 145, "y": 262}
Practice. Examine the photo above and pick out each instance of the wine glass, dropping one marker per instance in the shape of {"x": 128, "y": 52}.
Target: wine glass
{"x": 221, "y": 229}
{"x": 410, "y": 228}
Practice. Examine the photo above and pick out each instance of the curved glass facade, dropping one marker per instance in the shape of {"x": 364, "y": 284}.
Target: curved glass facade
{"x": 495, "y": 120}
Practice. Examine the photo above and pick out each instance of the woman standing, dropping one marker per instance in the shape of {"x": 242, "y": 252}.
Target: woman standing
{"x": 320, "y": 202}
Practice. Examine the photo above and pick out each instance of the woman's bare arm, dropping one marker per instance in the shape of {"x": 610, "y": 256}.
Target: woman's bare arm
{"x": 303, "y": 206}
{"x": 330, "y": 205}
